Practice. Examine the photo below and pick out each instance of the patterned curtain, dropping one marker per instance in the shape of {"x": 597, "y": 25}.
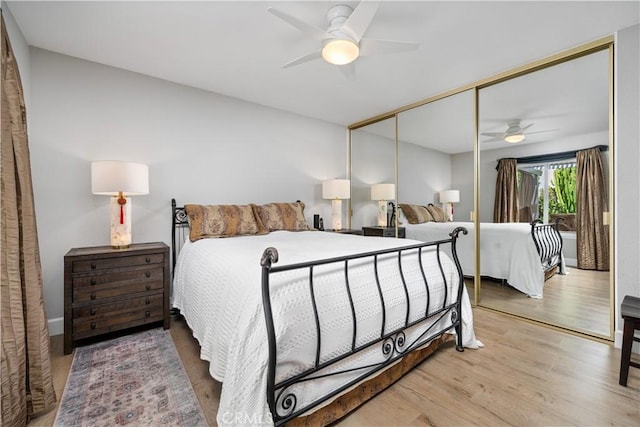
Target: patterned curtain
{"x": 27, "y": 387}
{"x": 505, "y": 204}
{"x": 592, "y": 236}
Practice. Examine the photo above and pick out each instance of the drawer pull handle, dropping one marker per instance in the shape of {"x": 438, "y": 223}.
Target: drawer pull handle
{"x": 147, "y": 314}
{"x": 93, "y": 295}
{"x": 147, "y": 286}
{"x": 147, "y": 273}
{"x": 92, "y": 311}
{"x": 93, "y": 325}
{"x": 93, "y": 266}
{"x": 93, "y": 282}
{"x": 147, "y": 259}
{"x": 147, "y": 301}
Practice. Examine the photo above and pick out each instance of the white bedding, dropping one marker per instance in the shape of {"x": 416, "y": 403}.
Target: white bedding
{"x": 507, "y": 251}
{"x": 217, "y": 287}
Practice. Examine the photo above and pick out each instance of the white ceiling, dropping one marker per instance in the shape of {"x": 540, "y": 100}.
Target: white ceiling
{"x": 236, "y": 48}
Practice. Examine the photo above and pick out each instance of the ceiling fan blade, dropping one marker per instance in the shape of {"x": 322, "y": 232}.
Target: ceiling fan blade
{"x": 526, "y": 127}
{"x": 375, "y": 46}
{"x": 359, "y": 21}
{"x": 348, "y": 71}
{"x": 496, "y": 139}
{"x": 493, "y": 134}
{"x": 541, "y": 131}
{"x": 316, "y": 54}
{"x": 309, "y": 29}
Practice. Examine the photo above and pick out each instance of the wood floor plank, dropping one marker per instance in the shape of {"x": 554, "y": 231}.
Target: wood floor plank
{"x": 526, "y": 375}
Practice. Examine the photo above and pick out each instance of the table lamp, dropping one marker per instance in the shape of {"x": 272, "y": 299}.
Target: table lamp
{"x": 119, "y": 180}
{"x": 448, "y": 198}
{"x": 336, "y": 190}
{"x": 383, "y": 193}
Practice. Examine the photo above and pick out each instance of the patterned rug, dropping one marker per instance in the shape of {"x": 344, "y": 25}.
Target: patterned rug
{"x": 132, "y": 380}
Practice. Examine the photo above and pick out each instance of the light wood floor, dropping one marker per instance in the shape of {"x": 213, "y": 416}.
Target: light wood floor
{"x": 526, "y": 375}
{"x": 577, "y": 301}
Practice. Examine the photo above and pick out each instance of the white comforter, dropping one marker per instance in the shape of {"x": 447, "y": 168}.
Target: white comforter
{"x": 217, "y": 287}
{"x": 507, "y": 251}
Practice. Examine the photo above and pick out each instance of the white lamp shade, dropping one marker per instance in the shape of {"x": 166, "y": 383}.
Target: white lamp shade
{"x": 383, "y": 192}
{"x": 110, "y": 177}
{"x": 450, "y": 196}
{"x": 336, "y": 189}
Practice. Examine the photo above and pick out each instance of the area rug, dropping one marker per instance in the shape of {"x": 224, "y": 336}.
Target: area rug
{"x": 133, "y": 380}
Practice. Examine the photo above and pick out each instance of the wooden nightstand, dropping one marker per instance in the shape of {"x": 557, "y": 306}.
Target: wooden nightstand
{"x": 107, "y": 290}
{"x": 383, "y": 231}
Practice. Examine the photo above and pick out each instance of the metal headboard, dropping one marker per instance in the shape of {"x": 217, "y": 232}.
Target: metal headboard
{"x": 179, "y": 231}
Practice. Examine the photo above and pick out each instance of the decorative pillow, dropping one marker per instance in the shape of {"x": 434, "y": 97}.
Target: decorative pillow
{"x": 283, "y": 216}
{"x": 437, "y": 213}
{"x": 415, "y": 214}
{"x": 223, "y": 221}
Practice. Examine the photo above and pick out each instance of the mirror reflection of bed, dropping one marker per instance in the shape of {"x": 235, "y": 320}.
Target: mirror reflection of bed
{"x": 561, "y": 108}
{"x": 563, "y": 111}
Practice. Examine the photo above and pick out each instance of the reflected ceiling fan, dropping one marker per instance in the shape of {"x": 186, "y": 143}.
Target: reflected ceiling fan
{"x": 343, "y": 41}
{"x": 515, "y": 133}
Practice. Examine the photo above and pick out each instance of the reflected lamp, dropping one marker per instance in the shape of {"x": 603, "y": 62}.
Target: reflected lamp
{"x": 448, "y": 198}
{"x": 383, "y": 193}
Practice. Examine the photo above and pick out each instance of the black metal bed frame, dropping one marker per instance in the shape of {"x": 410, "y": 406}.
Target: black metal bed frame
{"x": 393, "y": 344}
{"x": 548, "y": 242}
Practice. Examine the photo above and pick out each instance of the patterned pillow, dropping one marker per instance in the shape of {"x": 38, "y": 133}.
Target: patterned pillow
{"x": 283, "y": 216}
{"x": 415, "y": 214}
{"x": 437, "y": 213}
{"x": 223, "y": 221}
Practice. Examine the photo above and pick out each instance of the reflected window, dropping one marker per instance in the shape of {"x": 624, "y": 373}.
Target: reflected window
{"x": 547, "y": 191}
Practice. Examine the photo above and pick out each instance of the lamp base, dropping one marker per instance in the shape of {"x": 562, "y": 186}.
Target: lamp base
{"x": 336, "y": 214}
{"x": 382, "y": 213}
{"x": 120, "y": 223}
{"x": 448, "y": 210}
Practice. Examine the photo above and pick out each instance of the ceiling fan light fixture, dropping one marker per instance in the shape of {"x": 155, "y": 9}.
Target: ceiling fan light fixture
{"x": 340, "y": 51}
{"x": 514, "y": 138}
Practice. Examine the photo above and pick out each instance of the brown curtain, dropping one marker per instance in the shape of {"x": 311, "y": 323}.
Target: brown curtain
{"x": 505, "y": 205}
{"x": 27, "y": 387}
{"x": 592, "y": 236}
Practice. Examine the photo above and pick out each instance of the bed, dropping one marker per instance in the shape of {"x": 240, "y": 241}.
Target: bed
{"x": 292, "y": 322}
{"x": 524, "y": 255}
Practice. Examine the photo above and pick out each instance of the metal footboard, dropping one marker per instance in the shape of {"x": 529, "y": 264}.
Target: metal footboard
{"x": 389, "y": 345}
{"x": 548, "y": 243}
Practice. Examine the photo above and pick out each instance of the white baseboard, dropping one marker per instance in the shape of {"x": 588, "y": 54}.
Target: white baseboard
{"x": 56, "y": 326}
{"x": 571, "y": 262}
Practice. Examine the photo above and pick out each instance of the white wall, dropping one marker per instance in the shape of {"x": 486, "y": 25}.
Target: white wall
{"x": 372, "y": 162}
{"x": 627, "y": 161}
{"x": 200, "y": 147}
{"x": 422, "y": 174}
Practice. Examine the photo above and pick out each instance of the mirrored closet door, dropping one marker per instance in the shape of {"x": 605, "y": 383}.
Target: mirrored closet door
{"x": 373, "y": 162}
{"x": 544, "y": 154}
{"x": 436, "y": 166}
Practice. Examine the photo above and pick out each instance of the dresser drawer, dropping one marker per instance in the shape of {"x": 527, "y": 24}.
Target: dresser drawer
{"x": 107, "y": 263}
{"x": 123, "y": 320}
{"x": 99, "y": 311}
{"x": 120, "y": 278}
{"x": 113, "y": 290}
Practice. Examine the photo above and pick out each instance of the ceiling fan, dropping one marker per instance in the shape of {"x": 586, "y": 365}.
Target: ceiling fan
{"x": 515, "y": 133}
{"x": 343, "y": 41}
